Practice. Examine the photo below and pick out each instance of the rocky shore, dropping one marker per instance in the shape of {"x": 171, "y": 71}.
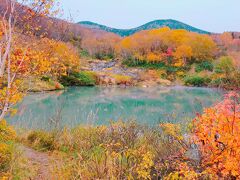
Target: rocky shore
{"x": 107, "y": 71}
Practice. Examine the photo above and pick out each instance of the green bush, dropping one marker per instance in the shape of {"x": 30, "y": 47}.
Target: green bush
{"x": 104, "y": 56}
{"x": 224, "y": 65}
{"x": 196, "y": 80}
{"x": 144, "y": 64}
{"x": 160, "y": 65}
{"x": 218, "y": 82}
{"x": 84, "y": 53}
{"x": 205, "y": 65}
{"x": 46, "y": 78}
{"x": 83, "y": 78}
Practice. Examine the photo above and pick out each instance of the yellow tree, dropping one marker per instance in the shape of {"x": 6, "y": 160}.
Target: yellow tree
{"x": 182, "y": 54}
{"x": 203, "y": 47}
{"x": 55, "y": 58}
{"x": 11, "y": 60}
{"x": 162, "y": 44}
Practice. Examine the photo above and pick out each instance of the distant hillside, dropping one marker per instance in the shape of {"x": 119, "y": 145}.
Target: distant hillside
{"x": 172, "y": 24}
{"x": 53, "y": 28}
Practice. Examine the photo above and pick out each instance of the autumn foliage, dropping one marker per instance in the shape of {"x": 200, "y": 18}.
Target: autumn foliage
{"x": 101, "y": 46}
{"x": 218, "y": 137}
{"x": 229, "y": 44}
{"x": 175, "y": 47}
{"x": 25, "y": 55}
{"x": 122, "y": 150}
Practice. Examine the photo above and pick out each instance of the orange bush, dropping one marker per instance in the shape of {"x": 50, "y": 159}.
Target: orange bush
{"x": 218, "y": 134}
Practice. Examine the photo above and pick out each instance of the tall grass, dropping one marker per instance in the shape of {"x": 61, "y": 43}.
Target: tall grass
{"x": 118, "y": 151}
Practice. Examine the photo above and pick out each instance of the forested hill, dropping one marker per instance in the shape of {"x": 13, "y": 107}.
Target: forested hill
{"x": 173, "y": 24}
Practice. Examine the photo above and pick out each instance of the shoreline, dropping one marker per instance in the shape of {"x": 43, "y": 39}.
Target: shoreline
{"x": 133, "y": 86}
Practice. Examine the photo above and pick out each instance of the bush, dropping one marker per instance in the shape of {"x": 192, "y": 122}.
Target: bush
{"x": 6, "y": 153}
{"x": 196, "y": 80}
{"x": 181, "y": 74}
{"x": 232, "y": 81}
{"x": 144, "y": 64}
{"x": 41, "y": 140}
{"x": 205, "y": 65}
{"x": 83, "y": 78}
{"x": 127, "y": 150}
{"x": 104, "y": 56}
{"x": 7, "y": 132}
{"x": 84, "y": 53}
{"x": 218, "y": 136}
{"x": 7, "y": 136}
{"x": 218, "y": 82}
{"x": 224, "y": 65}
{"x": 46, "y": 78}
{"x": 124, "y": 150}
{"x": 121, "y": 79}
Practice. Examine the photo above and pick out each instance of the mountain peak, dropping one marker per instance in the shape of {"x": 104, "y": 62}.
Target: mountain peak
{"x": 171, "y": 23}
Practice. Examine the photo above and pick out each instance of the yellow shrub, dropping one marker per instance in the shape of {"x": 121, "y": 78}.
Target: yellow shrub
{"x": 172, "y": 130}
{"x": 180, "y": 73}
{"x": 5, "y": 157}
{"x": 121, "y": 79}
{"x": 145, "y": 162}
{"x": 185, "y": 172}
{"x": 153, "y": 74}
{"x": 153, "y": 57}
{"x": 7, "y": 133}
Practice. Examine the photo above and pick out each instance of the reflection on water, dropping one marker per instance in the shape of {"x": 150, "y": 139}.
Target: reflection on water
{"x": 98, "y": 105}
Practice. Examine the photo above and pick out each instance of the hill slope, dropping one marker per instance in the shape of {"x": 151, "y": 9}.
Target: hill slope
{"x": 173, "y": 24}
{"x": 52, "y": 28}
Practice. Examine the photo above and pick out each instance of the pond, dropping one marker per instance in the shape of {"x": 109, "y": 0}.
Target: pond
{"x": 99, "y": 105}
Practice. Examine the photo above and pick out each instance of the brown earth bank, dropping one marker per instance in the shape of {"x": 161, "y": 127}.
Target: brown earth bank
{"x": 109, "y": 73}
{"x": 113, "y": 72}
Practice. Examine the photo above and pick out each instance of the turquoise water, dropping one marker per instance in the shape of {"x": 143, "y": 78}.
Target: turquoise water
{"x": 99, "y": 105}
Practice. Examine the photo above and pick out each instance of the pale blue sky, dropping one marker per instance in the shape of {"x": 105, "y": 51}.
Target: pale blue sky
{"x": 210, "y": 15}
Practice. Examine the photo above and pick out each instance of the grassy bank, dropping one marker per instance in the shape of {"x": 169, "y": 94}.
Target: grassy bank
{"x": 118, "y": 151}
{"x": 221, "y": 72}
